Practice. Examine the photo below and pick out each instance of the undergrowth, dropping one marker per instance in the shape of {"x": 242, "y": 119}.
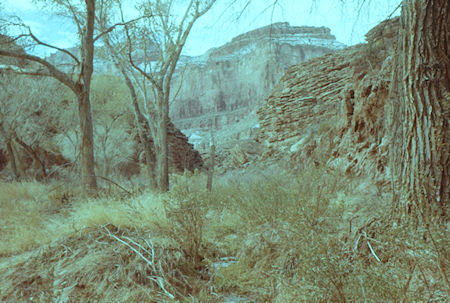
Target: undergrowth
{"x": 311, "y": 237}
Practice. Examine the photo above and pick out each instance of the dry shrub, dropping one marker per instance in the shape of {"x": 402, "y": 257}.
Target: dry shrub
{"x": 186, "y": 211}
{"x": 281, "y": 238}
{"x": 298, "y": 247}
{"x": 199, "y": 220}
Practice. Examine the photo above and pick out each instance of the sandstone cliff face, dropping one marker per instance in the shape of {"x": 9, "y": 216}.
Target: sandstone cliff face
{"x": 334, "y": 110}
{"x": 228, "y": 82}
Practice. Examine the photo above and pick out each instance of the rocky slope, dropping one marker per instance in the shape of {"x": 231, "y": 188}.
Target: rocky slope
{"x": 182, "y": 154}
{"x": 334, "y": 109}
{"x": 227, "y": 83}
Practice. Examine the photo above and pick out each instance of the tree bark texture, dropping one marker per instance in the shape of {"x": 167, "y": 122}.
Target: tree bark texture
{"x": 421, "y": 109}
{"x": 84, "y": 103}
{"x": 163, "y": 144}
{"x": 212, "y": 156}
{"x": 87, "y": 143}
{"x": 12, "y": 158}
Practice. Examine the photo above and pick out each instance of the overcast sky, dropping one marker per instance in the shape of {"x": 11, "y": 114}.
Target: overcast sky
{"x": 348, "y": 22}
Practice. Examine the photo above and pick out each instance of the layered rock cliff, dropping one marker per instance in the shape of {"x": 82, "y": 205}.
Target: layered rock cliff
{"x": 334, "y": 109}
{"x": 226, "y": 83}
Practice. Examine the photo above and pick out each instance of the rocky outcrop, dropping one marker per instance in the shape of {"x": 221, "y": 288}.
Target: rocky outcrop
{"x": 224, "y": 85}
{"x": 333, "y": 109}
{"x": 182, "y": 153}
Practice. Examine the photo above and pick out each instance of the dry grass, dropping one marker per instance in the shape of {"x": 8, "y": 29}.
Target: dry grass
{"x": 23, "y": 209}
{"x": 314, "y": 237}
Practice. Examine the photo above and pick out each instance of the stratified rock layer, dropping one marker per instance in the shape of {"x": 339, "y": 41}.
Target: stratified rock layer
{"x": 182, "y": 154}
{"x": 334, "y": 109}
{"x": 227, "y": 83}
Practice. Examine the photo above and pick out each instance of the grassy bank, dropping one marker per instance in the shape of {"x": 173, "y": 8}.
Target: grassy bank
{"x": 260, "y": 236}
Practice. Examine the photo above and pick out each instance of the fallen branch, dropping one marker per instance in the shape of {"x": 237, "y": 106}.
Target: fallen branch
{"x": 158, "y": 280}
{"x": 119, "y": 186}
{"x": 370, "y": 247}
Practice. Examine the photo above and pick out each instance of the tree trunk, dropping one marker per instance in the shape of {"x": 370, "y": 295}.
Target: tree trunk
{"x": 163, "y": 156}
{"x": 12, "y": 158}
{"x": 212, "y": 155}
{"x": 87, "y": 143}
{"x": 143, "y": 131}
{"x": 84, "y": 102}
{"x": 150, "y": 160}
{"x": 142, "y": 123}
{"x": 144, "y": 134}
{"x": 421, "y": 111}
{"x": 212, "y": 158}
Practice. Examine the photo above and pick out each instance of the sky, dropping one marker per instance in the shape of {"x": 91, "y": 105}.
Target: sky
{"x": 349, "y": 22}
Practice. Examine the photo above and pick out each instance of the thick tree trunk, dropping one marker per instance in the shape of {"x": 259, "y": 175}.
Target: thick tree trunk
{"x": 150, "y": 159}
{"x": 84, "y": 102}
{"x": 80, "y": 86}
{"x": 87, "y": 143}
{"x": 421, "y": 111}
{"x": 163, "y": 142}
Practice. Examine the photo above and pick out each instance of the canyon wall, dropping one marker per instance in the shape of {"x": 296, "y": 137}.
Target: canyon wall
{"x": 227, "y": 83}
{"x": 334, "y": 110}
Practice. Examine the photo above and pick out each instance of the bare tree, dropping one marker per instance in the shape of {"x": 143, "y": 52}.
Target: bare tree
{"x": 154, "y": 48}
{"x": 113, "y": 128}
{"x": 118, "y": 55}
{"x": 78, "y": 77}
{"x": 78, "y": 80}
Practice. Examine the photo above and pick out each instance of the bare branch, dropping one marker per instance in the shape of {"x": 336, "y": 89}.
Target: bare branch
{"x": 52, "y": 46}
{"x": 133, "y": 64}
{"x": 112, "y": 27}
{"x": 53, "y": 71}
{"x": 18, "y": 71}
{"x": 181, "y": 42}
{"x": 30, "y": 34}
{"x": 130, "y": 50}
{"x": 74, "y": 15}
{"x": 173, "y": 59}
{"x": 116, "y": 184}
